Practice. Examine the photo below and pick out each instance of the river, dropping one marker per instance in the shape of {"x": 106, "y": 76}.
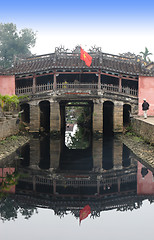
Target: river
{"x": 45, "y": 189}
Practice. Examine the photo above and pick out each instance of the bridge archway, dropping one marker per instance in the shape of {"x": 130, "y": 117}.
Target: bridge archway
{"x": 76, "y": 121}
{"x": 25, "y": 116}
{"x": 108, "y": 108}
{"x": 44, "y": 116}
{"x": 76, "y": 129}
{"x": 126, "y": 114}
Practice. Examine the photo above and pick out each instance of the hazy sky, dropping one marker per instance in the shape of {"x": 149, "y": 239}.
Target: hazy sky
{"x": 115, "y": 26}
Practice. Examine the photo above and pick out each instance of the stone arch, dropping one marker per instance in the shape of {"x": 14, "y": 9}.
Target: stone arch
{"x": 108, "y": 108}
{"x": 126, "y": 114}
{"x": 44, "y": 116}
{"x": 25, "y": 115}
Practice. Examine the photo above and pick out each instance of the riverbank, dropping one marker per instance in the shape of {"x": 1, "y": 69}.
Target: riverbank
{"x": 9, "y": 145}
{"x": 143, "y": 150}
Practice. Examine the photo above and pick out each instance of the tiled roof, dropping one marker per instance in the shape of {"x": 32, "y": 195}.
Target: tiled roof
{"x": 72, "y": 62}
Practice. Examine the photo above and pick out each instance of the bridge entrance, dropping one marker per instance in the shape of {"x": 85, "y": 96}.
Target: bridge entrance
{"x": 25, "y": 116}
{"x": 126, "y": 114}
{"x": 44, "y": 116}
{"x": 76, "y": 123}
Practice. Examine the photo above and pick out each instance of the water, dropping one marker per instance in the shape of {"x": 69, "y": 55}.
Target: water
{"x": 54, "y": 183}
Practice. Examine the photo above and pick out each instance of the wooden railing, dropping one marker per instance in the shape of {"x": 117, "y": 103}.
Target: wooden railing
{"x": 87, "y": 86}
{"x": 109, "y": 88}
{"x": 23, "y": 90}
{"x": 75, "y": 86}
{"x": 81, "y": 182}
{"x": 44, "y": 87}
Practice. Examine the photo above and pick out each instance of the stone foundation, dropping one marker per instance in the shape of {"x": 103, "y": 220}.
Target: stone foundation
{"x": 143, "y": 129}
{"x": 8, "y": 128}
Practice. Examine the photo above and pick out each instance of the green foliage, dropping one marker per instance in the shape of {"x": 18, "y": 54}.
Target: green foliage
{"x": 7, "y": 182}
{"x": 9, "y": 207}
{"x": 23, "y": 97}
{"x": 80, "y": 140}
{"x": 14, "y": 44}
{"x": 82, "y": 116}
{"x": 9, "y": 103}
{"x": 145, "y": 54}
{"x": 14, "y": 137}
{"x": 3, "y": 100}
{"x": 129, "y": 132}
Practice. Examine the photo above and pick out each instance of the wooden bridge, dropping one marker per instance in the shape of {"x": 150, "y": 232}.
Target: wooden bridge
{"x": 109, "y": 86}
{"x": 49, "y": 104}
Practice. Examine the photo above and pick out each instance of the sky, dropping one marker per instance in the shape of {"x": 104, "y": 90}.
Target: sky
{"x": 117, "y": 225}
{"x": 115, "y": 26}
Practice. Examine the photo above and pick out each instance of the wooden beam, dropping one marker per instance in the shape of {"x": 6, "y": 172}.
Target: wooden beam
{"x": 79, "y": 72}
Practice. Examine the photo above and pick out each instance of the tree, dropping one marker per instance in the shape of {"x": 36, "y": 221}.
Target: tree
{"x": 14, "y": 44}
{"x": 145, "y": 54}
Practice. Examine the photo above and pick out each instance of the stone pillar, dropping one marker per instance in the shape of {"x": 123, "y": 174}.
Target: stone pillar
{"x": 34, "y": 117}
{"x": 117, "y": 154}
{"x": 98, "y": 117}
{"x": 54, "y": 154}
{"x": 118, "y": 117}
{"x": 55, "y": 117}
{"x": 34, "y": 153}
{"x": 97, "y": 154}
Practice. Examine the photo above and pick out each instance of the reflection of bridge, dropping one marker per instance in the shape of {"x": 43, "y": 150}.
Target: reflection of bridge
{"x": 115, "y": 187}
{"x": 64, "y": 194}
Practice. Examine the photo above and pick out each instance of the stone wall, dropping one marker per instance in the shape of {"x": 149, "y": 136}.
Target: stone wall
{"x": 143, "y": 129}
{"x": 8, "y": 128}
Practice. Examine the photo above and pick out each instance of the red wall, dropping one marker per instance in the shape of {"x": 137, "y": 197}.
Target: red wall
{"x": 146, "y": 90}
{"x": 7, "y": 85}
{"x": 3, "y": 172}
{"x": 144, "y": 185}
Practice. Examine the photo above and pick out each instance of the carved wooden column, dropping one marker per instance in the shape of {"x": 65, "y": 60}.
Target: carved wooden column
{"x": 34, "y": 84}
{"x": 54, "y": 81}
{"x": 99, "y": 81}
{"x": 120, "y": 83}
